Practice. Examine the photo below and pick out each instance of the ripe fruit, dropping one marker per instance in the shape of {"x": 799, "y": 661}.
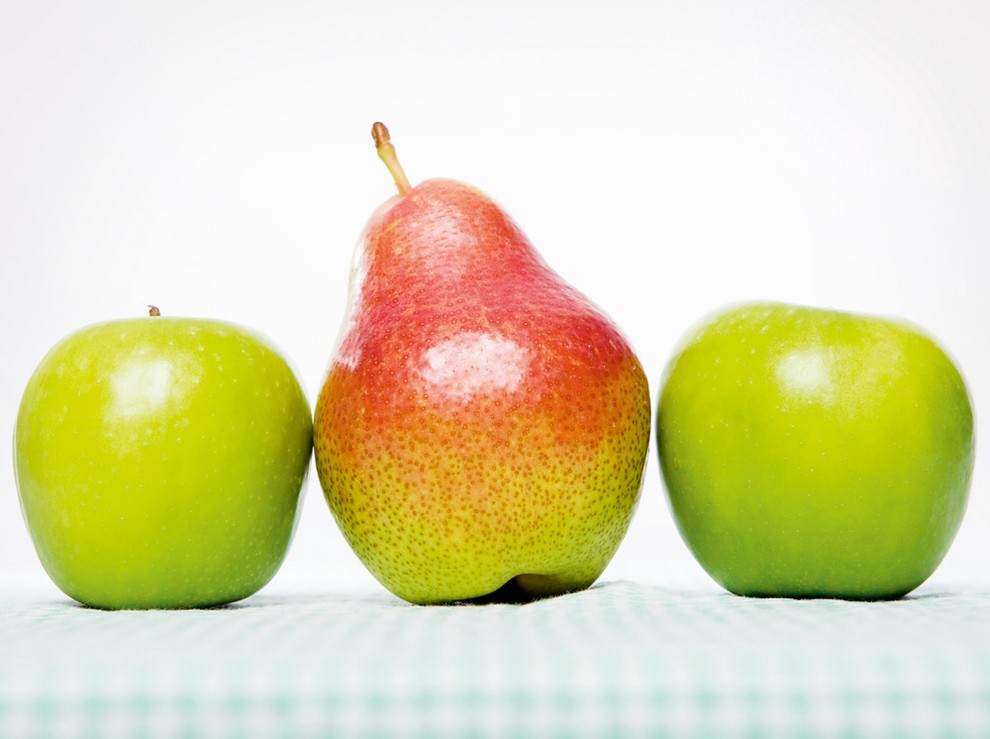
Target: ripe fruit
{"x": 482, "y": 427}
{"x": 159, "y": 462}
{"x": 810, "y": 452}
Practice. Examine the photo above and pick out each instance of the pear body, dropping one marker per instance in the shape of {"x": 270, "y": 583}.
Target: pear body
{"x": 481, "y": 424}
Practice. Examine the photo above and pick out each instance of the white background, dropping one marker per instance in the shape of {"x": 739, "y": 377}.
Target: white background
{"x": 214, "y": 158}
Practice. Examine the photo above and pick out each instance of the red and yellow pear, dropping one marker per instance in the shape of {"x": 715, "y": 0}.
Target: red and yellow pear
{"x": 482, "y": 429}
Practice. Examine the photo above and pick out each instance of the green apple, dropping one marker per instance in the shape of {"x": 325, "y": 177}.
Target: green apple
{"x": 814, "y": 453}
{"x": 159, "y": 462}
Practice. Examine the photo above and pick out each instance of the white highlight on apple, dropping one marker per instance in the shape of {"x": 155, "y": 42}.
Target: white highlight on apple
{"x": 142, "y": 387}
{"x": 807, "y": 373}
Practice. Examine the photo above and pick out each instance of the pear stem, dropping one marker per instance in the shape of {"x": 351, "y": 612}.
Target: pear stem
{"x": 383, "y": 143}
{"x": 153, "y": 310}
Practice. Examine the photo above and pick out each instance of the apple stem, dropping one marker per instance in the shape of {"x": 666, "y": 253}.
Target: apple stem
{"x": 383, "y": 143}
{"x": 153, "y": 310}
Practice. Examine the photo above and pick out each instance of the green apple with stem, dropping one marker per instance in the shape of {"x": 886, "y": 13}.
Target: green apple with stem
{"x": 814, "y": 453}
{"x": 159, "y": 462}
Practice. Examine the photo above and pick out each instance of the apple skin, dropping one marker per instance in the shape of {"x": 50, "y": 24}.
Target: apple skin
{"x": 483, "y": 428}
{"x": 814, "y": 453}
{"x": 159, "y": 462}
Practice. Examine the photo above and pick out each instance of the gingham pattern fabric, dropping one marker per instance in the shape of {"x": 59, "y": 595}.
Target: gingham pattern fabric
{"x": 622, "y": 659}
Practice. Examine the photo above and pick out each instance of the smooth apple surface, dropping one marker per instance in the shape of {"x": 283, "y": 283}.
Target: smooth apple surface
{"x": 810, "y": 452}
{"x": 159, "y": 462}
{"x": 482, "y": 424}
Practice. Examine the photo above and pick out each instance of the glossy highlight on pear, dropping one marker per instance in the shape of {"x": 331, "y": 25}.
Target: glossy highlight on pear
{"x": 481, "y": 422}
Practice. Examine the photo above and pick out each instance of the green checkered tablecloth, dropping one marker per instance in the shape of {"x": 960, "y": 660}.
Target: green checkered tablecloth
{"x": 622, "y": 659}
